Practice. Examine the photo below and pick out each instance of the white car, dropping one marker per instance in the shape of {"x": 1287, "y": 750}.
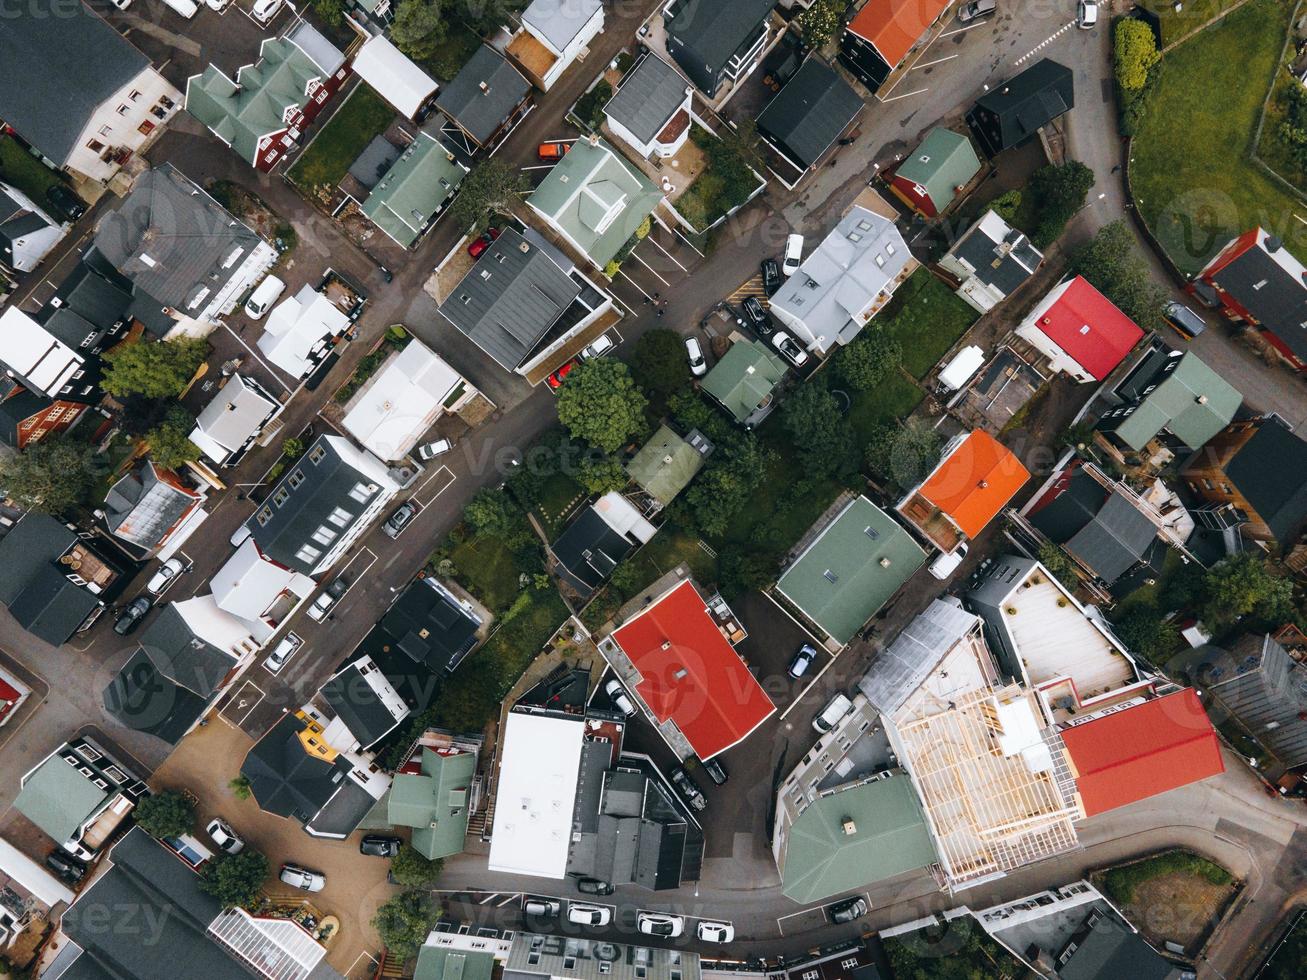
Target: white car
{"x": 715, "y": 932}
{"x": 121, "y": 4}
{"x": 264, "y": 296}
{"x": 793, "y": 255}
{"x": 588, "y": 915}
{"x": 832, "y": 714}
{"x": 240, "y": 535}
{"x": 265, "y": 10}
{"x": 698, "y": 366}
{"x": 184, "y": 7}
{"x": 284, "y": 651}
{"x": 167, "y": 574}
{"x": 601, "y": 346}
{"x": 619, "y": 697}
{"x": 297, "y": 877}
{"x": 789, "y": 348}
{"x": 947, "y": 563}
{"x": 228, "y": 840}
{"x": 1086, "y": 14}
{"x": 433, "y": 449}
{"x": 660, "y": 924}
{"x": 218, "y": 5}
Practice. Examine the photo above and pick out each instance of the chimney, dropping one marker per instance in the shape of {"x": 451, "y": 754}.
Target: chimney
{"x": 1201, "y": 399}
{"x": 984, "y": 484}
{"x": 485, "y": 89}
{"x": 667, "y": 645}
{"x": 1272, "y": 243}
{"x": 681, "y": 674}
{"x": 850, "y": 828}
{"x": 884, "y": 563}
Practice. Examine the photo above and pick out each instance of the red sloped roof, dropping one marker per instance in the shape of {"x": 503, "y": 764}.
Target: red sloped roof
{"x": 894, "y": 26}
{"x": 692, "y": 675}
{"x": 1089, "y": 327}
{"x": 1153, "y": 747}
{"x": 975, "y": 482}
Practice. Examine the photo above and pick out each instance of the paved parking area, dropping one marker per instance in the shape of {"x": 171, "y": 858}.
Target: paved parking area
{"x": 658, "y": 265}
{"x": 773, "y": 640}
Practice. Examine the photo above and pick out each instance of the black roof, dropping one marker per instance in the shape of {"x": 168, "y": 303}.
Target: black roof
{"x": 1013, "y": 112}
{"x": 18, "y": 403}
{"x": 354, "y": 702}
{"x": 481, "y": 111}
{"x": 1100, "y": 527}
{"x": 285, "y": 779}
{"x": 429, "y": 625}
{"x": 1004, "y": 263}
{"x": 810, "y": 112}
{"x": 588, "y": 551}
{"x": 1279, "y": 303}
{"x": 372, "y": 164}
{"x": 703, "y": 35}
{"x": 1270, "y": 470}
{"x": 182, "y": 657}
{"x": 38, "y": 594}
{"x": 648, "y": 98}
{"x": 1106, "y": 947}
{"x": 87, "y": 302}
{"x": 143, "y": 699}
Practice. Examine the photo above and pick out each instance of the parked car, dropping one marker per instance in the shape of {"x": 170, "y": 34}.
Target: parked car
{"x": 165, "y": 576}
{"x": 789, "y": 349}
{"x": 555, "y": 380}
{"x": 265, "y": 10}
{"x": 832, "y": 714}
{"x": 660, "y": 924}
{"x": 543, "y": 907}
{"x": 240, "y": 535}
{"x": 217, "y": 5}
{"x": 688, "y": 788}
{"x": 793, "y": 255}
{"x": 263, "y": 297}
{"x": 552, "y": 150}
{"x": 588, "y": 915}
{"x": 187, "y": 8}
{"x": 715, "y": 932}
{"x": 328, "y": 597}
{"x": 753, "y": 310}
{"x": 617, "y": 694}
{"x": 433, "y": 449}
{"x": 131, "y": 617}
{"x": 771, "y": 276}
{"x": 297, "y": 877}
{"x": 601, "y": 346}
{"x": 594, "y": 886}
{"x": 847, "y": 911}
{"x": 1086, "y": 14}
{"x": 716, "y": 771}
{"x": 68, "y": 205}
{"x": 220, "y": 832}
{"x": 804, "y": 659}
{"x": 379, "y": 845}
{"x": 1183, "y": 320}
{"x": 698, "y": 366}
{"x": 484, "y": 242}
{"x": 282, "y": 652}
{"x": 68, "y": 868}
{"x": 947, "y": 563}
{"x": 399, "y": 520}
{"x": 121, "y": 4}
{"x": 975, "y": 10}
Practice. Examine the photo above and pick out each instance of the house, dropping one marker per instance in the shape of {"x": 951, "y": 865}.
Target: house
{"x": 851, "y": 563}
{"x": 485, "y": 101}
{"x": 433, "y": 793}
{"x": 882, "y": 33}
{"x": 415, "y": 188}
{"x": 1253, "y": 476}
{"x": 845, "y": 281}
{"x": 34, "y": 898}
{"x": 321, "y": 506}
{"x": 743, "y": 380}
{"x": 110, "y": 100}
{"x": 1172, "y": 398}
{"x": 234, "y": 419}
{"x": 974, "y": 479}
{"x": 27, "y": 234}
{"x": 259, "y": 592}
{"x": 426, "y": 626}
{"x": 26, "y": 416}
{"x": 1255, "y": 280}
{"x": 175, "y": 243}
{"x": 79, "y": 795}
{"x": 402, "y": 400}
{"x": 554, "y": 34}
{"x": 54, "y": 373}
{"x": 992, "y": 260}
{"x": 359, "y": 699}
{"x": 262, "y": 112}
{"x": 597, "y": 541}
{"x": 1010, "y": 114}
{"x": 666, "y": 464}
{"x": 805, "y": 118}
{"x": 717, "y": 45}
{"x": 1080, "y": 331}
{"x": 438, "y": 960}
{"x": 395, "y": 78}
{"x": 651, "y": 110}
{"x": 939, "y": 169}
{"x": 595, "y": 200}
{"x": 535, "y": 955}
{"x": 301, "y": 331}
{"x": 151, "y": 508}
{"x": 678, "y": 662}
{"x": 53, "y": 580}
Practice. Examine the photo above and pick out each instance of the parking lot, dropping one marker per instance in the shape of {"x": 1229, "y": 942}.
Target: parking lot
{"x": 659, "y": 263}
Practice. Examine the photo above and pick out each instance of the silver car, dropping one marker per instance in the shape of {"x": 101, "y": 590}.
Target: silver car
{"x": 303, "y": 878}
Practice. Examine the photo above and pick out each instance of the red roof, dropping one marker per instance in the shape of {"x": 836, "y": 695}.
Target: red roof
{"x": 691, "y": 674}
{"x": 1086, "y": 324}
{"x": 975, "y": 482}
{"x": 894, "y": 26}
{"x": 1133, "y": 754}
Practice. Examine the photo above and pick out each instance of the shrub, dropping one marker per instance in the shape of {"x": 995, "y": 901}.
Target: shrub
{"x": 1134, "y": 54}
{"x": 413, "y": 870}
{"x": 165, "y": 814}
{"x": 1007, "y": 205}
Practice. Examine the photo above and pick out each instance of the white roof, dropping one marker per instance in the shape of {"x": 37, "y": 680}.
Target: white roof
{"x": 32, "y": 876}
{"x": 559, "y": 21}
{"x": 249, "y": 583}
{"x": 296, "y": 326}
{"x": 278, "y": 949}
{"x": 538, "y": 773}
{"x": 29, "y": 350}
{"x": 401, "y": 401}
{"x": 216, "y": 626}
{"x": 231, "y": 418}
{"x": 396, "y": 79}
{"x": 959, "y": 370}
{"x": 621, "y": 515}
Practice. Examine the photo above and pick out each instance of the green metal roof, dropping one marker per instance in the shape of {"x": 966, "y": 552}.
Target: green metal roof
{"x": 944, "y": 161}
{"x": 439, "y": 797}
{"x": 890, "y": 838}
{"x": 442, "y": 963}
{"x": 744, "y": 378}
{"x": 665, "y": 465}
{"x": 851, "y": 569}
{"x": 596, "y": 199}
{"x": 59, "y": 799}
{"x": 415, "y": 187}
{"x": 1174, "y": 404}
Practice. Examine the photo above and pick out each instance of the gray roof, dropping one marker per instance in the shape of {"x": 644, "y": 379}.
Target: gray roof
{"x": 91, "y": 301}
{"x": 1116, "y": 538}
{"x": 344, "y": 811}
{"x": 579, "y": 958}
{"x": 183, "y": 657}
{"x": 482, "y": 111}
{"x": 559, "y": 21}
{"x": 38, "y": 595}
{"x": 703, "y": 37}
{"x": 285, "y": 779}
{"x": 588, "y": 551}
{"x": 235, "y": 414}
{"x": 141, "y": 508}
{"x": 507, "y": 312}
{"x": 649, "y": 96}
{"x": 371, "y": 165}
{"x": 354, "y": 702}
{"x": 1108, "y": 947}
{"x": 1003, "y": 260}
{"x": 809, "y": 113}
{"x": 143, "y": 699}
{"x": 915, "y": 653}
{"x": 1270, "y": 470}
{"x": 61, "y": 62}
{"x": 323, "y": 53}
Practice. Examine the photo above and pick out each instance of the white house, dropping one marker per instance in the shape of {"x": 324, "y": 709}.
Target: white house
{"x": 40, "y": 360}
{"x": 258, "y": 591}
{"x": 393, "y": 76}
{"x": 26, "y": 232}
{"x": 991, "y": 260}
{"x": 300, "y": 331}
{"x": 650, "y": 112}
{"x": 553, "y": 34}
{"x": 234, "y": 419}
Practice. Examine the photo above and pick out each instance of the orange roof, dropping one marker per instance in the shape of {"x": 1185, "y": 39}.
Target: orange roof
{"x": 975, "y": 482}
{"x": 894, "y": 26}
{"x": 1133, "y": 754}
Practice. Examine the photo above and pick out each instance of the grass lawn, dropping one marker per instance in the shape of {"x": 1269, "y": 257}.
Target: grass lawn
{"x": 723, "y": 185}
{"x": 458, "y": 47}
{"x": 488, "y": 569}
{"x": 24, "y": 171}
{"x": 670, "y": 547}
{"x": 892, "y": 399}
{"x": 926, "y": 318}
{"x": 556, "y": 500}
{"x": 327, "y": 158}
{"x": 1193, "y": 182}
{"x": 1193, "y": 15}
{"x": 1272, "y": 150}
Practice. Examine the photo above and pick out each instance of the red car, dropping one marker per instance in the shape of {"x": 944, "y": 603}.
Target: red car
{"x": 551, "y": 151}
{"x": 555, "y": 380}
{"x": 482, "y": 243}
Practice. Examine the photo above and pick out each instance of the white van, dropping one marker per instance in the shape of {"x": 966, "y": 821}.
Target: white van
{"x": 832, "y": 714}
{"x": 268, "y": 292}
{"x": 947, "y": 563}
{"x": 184, "y": 7}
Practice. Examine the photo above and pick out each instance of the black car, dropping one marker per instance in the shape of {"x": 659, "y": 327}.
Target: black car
{"x": 379, "y": 845}
{"x": 847, "y": 911}
{"x": 68, "y": 868}
{"x": 131, "y": 617}
{"x": 771, "y": 276}
{"x": 594, "y": 886}
{"x": 757, "y": 317}
{"x": 69, "y": 205}
{"x": 716, "y": 771}
{"x": 689, "y": 788}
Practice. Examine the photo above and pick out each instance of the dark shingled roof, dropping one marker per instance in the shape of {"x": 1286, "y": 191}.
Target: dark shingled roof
{"x": 1116, "y": 538}
{"x": 354, "y": 702}
{"x": 1014, "y": 265}
{"x": 371, "y": 165}
{"x": 427, "y": 624}
{"x": 39, "y": 596}
{"x": 1270, "y": 470}
{"x": 1107, "y": 947}
{"x": 479, "y": 111}
{"x": 588, "y": 551}
{"x": 1012, "y": 112}
{"x": 1279, "y": 303}
{"x": 18, "y": 403}
{"x": 143, "y": 699}
{"x": 182, "y": 657}
{"x": 285, "y": 779}
{"x": 703, "y": 36}
{"x": 90, "y": 302}
{"x": 810, "y": 112}
{"x": 650, "y": 95}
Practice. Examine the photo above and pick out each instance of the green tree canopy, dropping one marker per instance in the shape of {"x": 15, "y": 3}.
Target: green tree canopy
{"x": 405, "y": 921}
{"x": 53, "y": 475}
{"x": 166, "y": 814}
{"x": 726, "y": 484}
{"x": 170, "y": 444}
{"x": 332, "y": 12}
{"x": 491, "y": 187}
{"x": 1134, "y": 53}
{"x": 240, "y": 787}
{"x": 1145, "y": 631}
{"x": 867, "y": 361}
{"x": 660, "y": 364}
{"x": 235, "y": 879}
{"x": 418, "y": 28}
{"x": 1059, "y": 564}
{"x": 822, "y": 21}
{"x": 1114, "y": 266}
{"x": 410, "y": 869}
{"x": 1244, "y": 586}
{"x": 902, "y": 454}
{"x": 600, "y": 474}
{"x": 1060, "y": 191}
{"x": 812, "y": 417}
{"x": 600, "y": 403}
{"x": 157, "y": 369}
{"x": 741, "y": 571}
{"x": 493, "y": 513}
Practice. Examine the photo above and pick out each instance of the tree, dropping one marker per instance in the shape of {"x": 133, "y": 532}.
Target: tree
{"x": 740, "y": 571}
{"x": 821, "y": 21}
{"x": 692, "y": 412}
{"x": 165, "y": 814}
{"x": 404, "y": 922}
{"x": 1145, "y": 631}
{"x": 600, "y": 403}
{"x": 739, "y": 153}
{"x": 492, "y": 513}
{"x": 240, "y": 787}
{"x": 418, "y": 28}
{"x": 1244, "y": 586}
{"x": 170, "y": 444}
{"x": 1059, "y": 564}
{"x": 600, "y": 474}
{"x": 235, "y": 879}
{"x": 813, "y": 419}
{"x": 868, "y": 360}
{"x": 53, "y": 475}
{"x": 1113, "y": 266}
{"x": 1134, "y": 54}
{"x": 490, "y": 188}
{"x": 410, "y": 869}
{"x": 292, "y": 448}
{"x": 726, "y": 484}
{"x": 903, "y": 454}
{"x": 332, "y": 12}
{"x": 157, "y": 369}
{"x": 1060, "y": 192}
{"x": 1007, "y": 205}
{"x": 659, "y": 362}
{"x": 627, "y": 579}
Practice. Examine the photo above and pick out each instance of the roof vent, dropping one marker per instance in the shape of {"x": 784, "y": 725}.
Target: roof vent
{"x": 485, "y": 89}
{"x": 524, "y": 247}
{"x": 1084, "y": 330}
{"x": 667, "y": 460}
{"x": 1201, "y": 399}
{"x": 884, "y": 563}
{"x": 680, "y": 674}
{"x": 1272, "y": 243}
{"x": 983, "y": 484}
{"x": 667, "y": 644}
{"x": 850, "y": 828}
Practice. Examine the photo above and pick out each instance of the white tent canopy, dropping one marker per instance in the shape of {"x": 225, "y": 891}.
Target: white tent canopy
{"x": 393, "y": 76}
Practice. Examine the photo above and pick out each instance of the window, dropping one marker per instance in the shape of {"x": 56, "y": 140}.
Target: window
{"x": 281, "y": 496}
{"x": 264, "y": 516}
{"x": 316, "y": 454}
{"x": 854, "y": 236}
{"x": 295, "y": 479}
{"x": 324, "y": 535}
{"x": 145, "y": 128}
{"x": 889, "y": 247}
{"x": 106, "y": 130}
{"x": 135, "y": 95}
{"x": 810, "y": 975}
{"x": 95, "y": 146}
{"x": 362, "y": 491}
{"x": 122, "y": 109}
{"x": 850, "y": 964}
{"x": 880, "y": 261}
{"x": 307, "y": 553}
{"x": 339, "y": 516}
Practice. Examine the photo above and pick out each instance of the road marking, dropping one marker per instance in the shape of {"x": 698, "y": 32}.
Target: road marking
{"x": 511, "y": 898}
{"x": 937, "y": 61}
{"x": 905, "y": 95}
{"x": 651, "y": 269}
{"x": 449, "y": 482}
{"x": 635, "y": 284}
{"x": 678, "y": 234}
{"x": 781, "y": 919}
{"x": 241, "y": 341}
{"x": 1044, "y": 43}
{"x": 489, "y": 898}
{"x": 970, "y": 27}
{"x": 242, "y": 699}
{"x": 667, "y": 253}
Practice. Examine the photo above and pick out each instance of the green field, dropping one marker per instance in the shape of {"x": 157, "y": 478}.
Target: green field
{"x": 926, "y": 318}
{"x": 24, "y": 171}
{"x": 487, "y": 568}
{"x": 1192, "y": 15}
{"x": 347, "y": 133}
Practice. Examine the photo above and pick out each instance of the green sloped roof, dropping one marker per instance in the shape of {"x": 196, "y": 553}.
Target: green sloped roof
{"x": 414, "y": 188}
{"x": 665, "y": 465}
{"x": 442, "y": 963}
{"x": 58, "y": 798}
{"x": 839, "y": 582}
{"x": 596, "y": 198}
{"x": 438, "y": 796}
{"x": 1174, "y": 404}
{"x": 944, "y": 161}
{"x": 890, "y": 839}
{"x": 744, "y": 377}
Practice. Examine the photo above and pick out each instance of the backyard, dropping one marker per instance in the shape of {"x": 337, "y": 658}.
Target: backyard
{"x": 1174, "y": 896}
{"x": 328, "y": 156}
{"x": 1192, "y": 15}
{"x": 453, "y": 52}
{"x": 725, "y": 184}
{"x": 670, "y": 547}
{"x": 24, "y": 171}
{"x": 957, "y": 949}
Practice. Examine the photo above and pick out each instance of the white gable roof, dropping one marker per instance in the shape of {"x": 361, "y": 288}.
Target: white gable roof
{"x": 401, "y": 401}
{"x": 296, "y": 326}
{"x": 37, "y": 356}
{"x": 394, "y": 77}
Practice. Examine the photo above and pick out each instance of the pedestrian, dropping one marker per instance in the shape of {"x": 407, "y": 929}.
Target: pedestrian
{"x": 1116, "y": 169}
{"x": 657, "y": 295}
{"x": 661, "y": 312}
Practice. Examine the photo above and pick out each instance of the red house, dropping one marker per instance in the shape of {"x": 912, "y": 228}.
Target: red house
{"x": 1256, "y": 281}
{"x": 1080, "y": 331}
{"x": 27, "y": 417}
